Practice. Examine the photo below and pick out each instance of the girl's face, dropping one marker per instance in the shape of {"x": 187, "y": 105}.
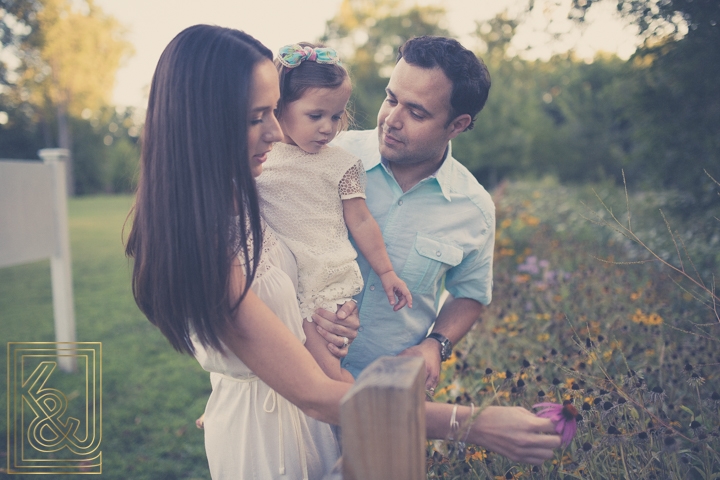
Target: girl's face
{"x": 312, "y": 121}
{"x": 263, "y": 127}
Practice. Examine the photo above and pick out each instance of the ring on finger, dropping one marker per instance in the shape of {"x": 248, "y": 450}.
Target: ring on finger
{"x": 346, "y": 342}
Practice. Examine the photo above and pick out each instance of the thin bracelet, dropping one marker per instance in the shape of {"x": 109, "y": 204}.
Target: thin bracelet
{"x": 454, "y": 425}
{"x": 470, "y": 423}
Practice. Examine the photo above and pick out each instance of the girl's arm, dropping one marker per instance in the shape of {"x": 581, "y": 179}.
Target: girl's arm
{"x": 368, "y": 238}
{"x": 275, "y": 355}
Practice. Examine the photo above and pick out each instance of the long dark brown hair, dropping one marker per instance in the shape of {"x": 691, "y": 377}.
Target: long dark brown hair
{"x": 194, "y": 181}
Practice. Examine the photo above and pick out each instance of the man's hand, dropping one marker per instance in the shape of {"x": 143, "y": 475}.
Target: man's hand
{"x": 429, "y": 349}
{"x": 335, "y": 328}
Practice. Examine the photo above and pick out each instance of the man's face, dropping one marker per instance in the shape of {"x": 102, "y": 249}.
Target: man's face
{"x": 413, "y": 120}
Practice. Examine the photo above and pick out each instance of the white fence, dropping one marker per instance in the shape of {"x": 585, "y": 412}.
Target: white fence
{"x": 34, "y": 226}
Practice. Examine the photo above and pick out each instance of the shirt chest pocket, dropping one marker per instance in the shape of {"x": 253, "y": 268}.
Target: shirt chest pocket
{"x": 428, "y": 261}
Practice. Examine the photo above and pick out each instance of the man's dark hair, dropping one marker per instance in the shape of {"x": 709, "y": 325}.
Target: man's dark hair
{"x": 469, "y": 75}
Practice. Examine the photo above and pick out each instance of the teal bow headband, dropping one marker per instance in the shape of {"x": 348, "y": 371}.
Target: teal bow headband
{"x": 292, "y": 56}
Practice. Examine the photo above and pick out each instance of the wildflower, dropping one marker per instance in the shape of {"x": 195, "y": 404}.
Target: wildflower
{"x": 657, "y": 394}
{"x": 695, "y": 380}
{"x": 670, "y": 444}
{"x": 714, "y": 400}
{"x": 564, "y": 415}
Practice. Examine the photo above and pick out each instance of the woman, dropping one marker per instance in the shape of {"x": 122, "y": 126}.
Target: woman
{"x": 209, "y": 127}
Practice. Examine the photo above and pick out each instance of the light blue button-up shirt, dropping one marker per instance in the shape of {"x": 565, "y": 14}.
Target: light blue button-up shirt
{"x": 442, "y": 227}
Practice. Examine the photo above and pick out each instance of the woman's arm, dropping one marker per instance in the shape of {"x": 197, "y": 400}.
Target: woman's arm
{"x": 368, "y": 238}
{"x": 510, "y": 431}
{"x": 275, "y": 355}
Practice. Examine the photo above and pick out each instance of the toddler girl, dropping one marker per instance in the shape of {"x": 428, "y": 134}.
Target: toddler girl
{"x": 311, "y": 194}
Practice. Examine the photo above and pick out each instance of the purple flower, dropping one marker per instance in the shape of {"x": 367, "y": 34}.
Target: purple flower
{"x": 564, "y": 415}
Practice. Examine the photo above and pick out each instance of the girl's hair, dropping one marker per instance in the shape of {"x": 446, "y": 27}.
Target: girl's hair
{"x": 194, "y": 179}
{"x": 309, "y": 74}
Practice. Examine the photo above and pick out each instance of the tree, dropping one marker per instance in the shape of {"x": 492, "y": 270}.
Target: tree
{"x": 69, "y": 52}
{"x": 367, "y": 34}
{"x": 675, "y": 104}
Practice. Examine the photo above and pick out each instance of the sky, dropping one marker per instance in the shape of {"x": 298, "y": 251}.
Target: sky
{"x": 151, "y": 24}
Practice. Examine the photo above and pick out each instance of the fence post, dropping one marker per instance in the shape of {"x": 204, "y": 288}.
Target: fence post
{"x": 383, "y": 421}
{"x": 60, "y": 262}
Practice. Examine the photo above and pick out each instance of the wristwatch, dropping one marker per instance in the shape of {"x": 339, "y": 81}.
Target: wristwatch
{"x": 445, "y": 345}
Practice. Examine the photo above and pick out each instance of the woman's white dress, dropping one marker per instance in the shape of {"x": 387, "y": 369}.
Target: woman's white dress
{"x": 301, "y": 198}
{"x": 251, "y": 432}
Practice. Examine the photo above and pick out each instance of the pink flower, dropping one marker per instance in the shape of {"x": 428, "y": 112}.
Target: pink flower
{"x": 564, "y": 415}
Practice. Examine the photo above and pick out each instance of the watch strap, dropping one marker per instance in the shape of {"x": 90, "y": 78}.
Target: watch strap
{"x": 445, "y": 345}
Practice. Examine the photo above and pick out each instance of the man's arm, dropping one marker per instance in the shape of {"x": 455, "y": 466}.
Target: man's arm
{"x": 456, "y": 318}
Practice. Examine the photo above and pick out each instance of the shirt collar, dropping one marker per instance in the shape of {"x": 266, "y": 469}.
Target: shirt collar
{"x": 442, "y": 175}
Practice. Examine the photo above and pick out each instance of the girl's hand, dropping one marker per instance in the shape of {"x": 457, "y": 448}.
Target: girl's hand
{"x": 393, "y": 287}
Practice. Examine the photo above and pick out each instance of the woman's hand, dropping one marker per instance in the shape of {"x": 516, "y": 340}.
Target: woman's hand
{"x": 338, "y": 329}
{"x": 514, "y": 433}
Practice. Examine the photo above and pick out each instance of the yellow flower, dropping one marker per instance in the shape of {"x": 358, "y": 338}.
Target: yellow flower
{"x": 507, "y": 252}
{"x": 506, "y": 223}
{"x": 533, "y": 221}
{"x": 649, "y": 352}
{"x": 543, "y": 337}
{"x": 512, "y": 318}
{"x": 479, "y": 455}
{"x": 522, "y": 278}
{"x": 653, "y": 319}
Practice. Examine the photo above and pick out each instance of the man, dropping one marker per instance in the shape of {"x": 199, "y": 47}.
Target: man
{"x": 437, "y": 220}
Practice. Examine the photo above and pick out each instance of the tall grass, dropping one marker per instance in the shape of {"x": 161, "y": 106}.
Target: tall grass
{"x": 632, "y": 346}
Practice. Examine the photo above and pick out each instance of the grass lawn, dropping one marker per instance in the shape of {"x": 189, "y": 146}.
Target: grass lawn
{"x": 151, "y": 394}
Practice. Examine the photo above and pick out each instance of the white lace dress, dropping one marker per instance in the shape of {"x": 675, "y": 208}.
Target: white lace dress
{"x": 301, "y": 198}
{"x": 251, "y": 432}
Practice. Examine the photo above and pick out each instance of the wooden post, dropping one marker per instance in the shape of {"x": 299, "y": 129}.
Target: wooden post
{"x": 383, "y": 422}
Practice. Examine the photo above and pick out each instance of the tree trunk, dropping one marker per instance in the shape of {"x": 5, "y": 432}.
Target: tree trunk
{"x": 65, "y": 141}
